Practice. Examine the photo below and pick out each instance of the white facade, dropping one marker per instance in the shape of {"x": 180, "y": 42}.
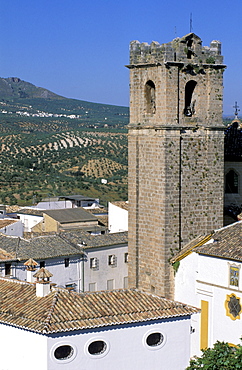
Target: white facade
{"x": 126, "y": 347}
{"x": 77, "y": 272}
{"x": 117, "y": 218}
{"x": 29, "y": 221}
{"x": 204, "y": 281}
{"x": 15, "y": 228}
{"x": 105, "y": 268}
{"x": 58, "y": 204}
{"x": 22, "y": 349}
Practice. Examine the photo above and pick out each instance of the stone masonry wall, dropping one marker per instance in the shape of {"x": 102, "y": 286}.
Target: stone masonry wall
{"x": 175, "y": 160}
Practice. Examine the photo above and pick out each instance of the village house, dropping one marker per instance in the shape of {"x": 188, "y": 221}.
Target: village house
{"x": 57, "y": 329}
{"x": 78, "y": 260}
{"x": 118, "y": 216}
{"x": 208, "y": 275}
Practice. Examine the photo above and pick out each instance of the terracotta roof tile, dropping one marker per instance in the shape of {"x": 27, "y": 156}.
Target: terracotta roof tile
{"x": 67, "y": 311}
{"x": 226, "y": 243}
{"x": 121, "y": 204}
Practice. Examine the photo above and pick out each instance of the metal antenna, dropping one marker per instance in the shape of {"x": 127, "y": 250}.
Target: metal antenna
{"x": 236, "y": 113}
{"x": 190, "y": 22}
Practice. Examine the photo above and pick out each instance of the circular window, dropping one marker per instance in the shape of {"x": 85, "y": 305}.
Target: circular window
{"x": 97, "y": 347}
{"x": 63, "y": 352}
{"x": 154, "y": 339}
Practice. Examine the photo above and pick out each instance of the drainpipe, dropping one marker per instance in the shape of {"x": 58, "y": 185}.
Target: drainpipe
{"x": 180, "y": 157}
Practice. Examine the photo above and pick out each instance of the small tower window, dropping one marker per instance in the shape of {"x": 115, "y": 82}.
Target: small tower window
{"x": 189, "y": 50}
{"x": 232, "y": 182}
{"x": 150, "y": 97}
{"x": 189, "y": 109}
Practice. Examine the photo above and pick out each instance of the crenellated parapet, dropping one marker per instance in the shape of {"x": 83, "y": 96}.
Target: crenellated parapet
{"x": 184, "y": 49}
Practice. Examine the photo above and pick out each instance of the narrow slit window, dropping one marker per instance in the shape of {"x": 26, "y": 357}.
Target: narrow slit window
{"x": 150, "y": 97}
{"x": 232, "y": 182}
{"x": 189, "y": 109}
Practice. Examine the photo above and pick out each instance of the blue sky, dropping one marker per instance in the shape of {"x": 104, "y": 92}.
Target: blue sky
{"x": 78, "y": 48}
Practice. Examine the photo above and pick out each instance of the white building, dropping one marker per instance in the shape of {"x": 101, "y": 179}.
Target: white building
{"x": 124, "y": 329}
{"x": 8, "y": 226}
{"x": 209, "y": 276}
{"x": 77, "y": 259}
{"x": 29, "y": 217}
{"x": 117, "y": 216}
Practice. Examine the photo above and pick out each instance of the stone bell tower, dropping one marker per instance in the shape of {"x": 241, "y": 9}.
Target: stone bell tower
{"x": 176, "y": 145}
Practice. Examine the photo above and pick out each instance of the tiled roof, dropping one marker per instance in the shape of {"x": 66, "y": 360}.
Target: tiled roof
{"x": 91, "y": 241}
{"x": 121, "y": 204}
{"x": 97, "y": 211}
{"x": 38, "y": 248}
{"x": 63, "y": 311}
{"x": 30, "y": 211}
{"x": 5, "y": 256}
{"x": 188, "y": 248}
{"x": 57, "y": 245}
{"x": 225, "y": 243}
{"x": 6, "y": 222}
{"x": 71, "y": 215}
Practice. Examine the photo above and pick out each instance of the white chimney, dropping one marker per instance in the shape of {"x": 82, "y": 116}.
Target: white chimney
{"x": 42, "y": 282}
{"x": 30, "y": 268}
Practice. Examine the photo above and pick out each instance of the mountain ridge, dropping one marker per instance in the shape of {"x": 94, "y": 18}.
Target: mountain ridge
{"x": 14, "y": 87}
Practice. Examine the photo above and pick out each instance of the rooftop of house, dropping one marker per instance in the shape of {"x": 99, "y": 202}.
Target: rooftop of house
{"x": 78, "y": 197}
{"x": 41, "y": 247}
{"x": 64, "y": 311}
{"x": 71, "y": 215}
{"x": 223, "y": 243}
{"x": 56, "y": 245}
{"x": 121, "y": 204}
{"x": 30, "y": 211}
{"x": 80, "y": 237}
{"x": 6, "y": 222}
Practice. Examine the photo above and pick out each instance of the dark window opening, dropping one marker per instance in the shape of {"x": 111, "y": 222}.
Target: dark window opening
{"x": 189, "y": 109}
{"x": 189, "y": 54}
{"x": 63, "y": 352}
{"x": 150, "y": 97}
{"x": 154, "y": 339}
{"x": 189, "y": 51}
{"x": 96, "y": 348}
{"x": 126, "y": 257}
{"x": 67, "y": 262}
{"x": 42, "y": 264}
{"x": 111, "y": 260}
{"x": 231, "y": 182}
{"x": 7, "y": 269}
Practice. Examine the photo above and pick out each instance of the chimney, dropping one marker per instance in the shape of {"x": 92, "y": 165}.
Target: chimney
{"x": 42, "y": 282}
{"x": 30, "y": 268}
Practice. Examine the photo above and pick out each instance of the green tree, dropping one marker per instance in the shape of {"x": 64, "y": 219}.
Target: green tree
{"x": 221, "y": 357}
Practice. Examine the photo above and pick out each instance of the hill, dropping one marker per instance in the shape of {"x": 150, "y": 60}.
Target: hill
{"x": 51, "y": 145}
{"x": 26, "y": 108}
{"x": 14, "y": 87}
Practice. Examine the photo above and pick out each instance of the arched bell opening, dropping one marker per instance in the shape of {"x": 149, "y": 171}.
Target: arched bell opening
{"x": 189, "y": 109}
{"x": 150, "y": 97}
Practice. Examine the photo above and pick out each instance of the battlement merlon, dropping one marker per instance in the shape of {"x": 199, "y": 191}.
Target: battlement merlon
{"x": 187, "y": 49}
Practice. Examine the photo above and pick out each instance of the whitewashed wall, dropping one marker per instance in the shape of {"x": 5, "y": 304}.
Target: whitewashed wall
{"x": 201, "y": 277}
{"x": 29, "y": 221}
{"x": 79, "y": 272}
{"x": 22, "y": 349}
{"x": 117, "y": 219}
{"x": 14, "y": 229}
{"x": 104, "y": 272}
{"x": 126, "y": 347}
